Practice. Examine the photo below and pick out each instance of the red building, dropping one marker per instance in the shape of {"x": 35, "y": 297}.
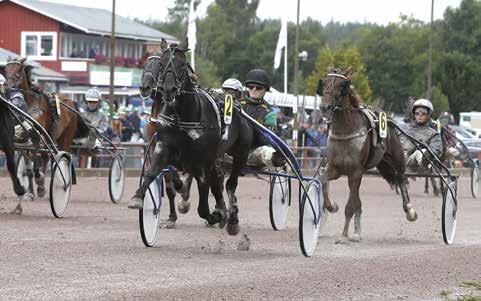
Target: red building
{"x": 75, "y": 41}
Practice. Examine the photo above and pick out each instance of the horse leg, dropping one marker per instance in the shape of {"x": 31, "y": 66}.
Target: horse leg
{"x": 169, "y": 189}
{"x": 29, "y": 164}
{"x": 39, "y": 167}
{"x": 184, "y": 204}
{"x": 434, "y": 183}
{"x": 411, "y": 215}
{"x": 203, "y": 210}
{"x": 159, "y": 161}
{"x": 354, "y": 207}
{"x": 186, "y": 188}
{"x": 231, "y": 186}
{"x": 17, "y": 187}
{"x": 329, "y": 175}
{"x": 426, "y": 185}
{"x": 216, "y": 186}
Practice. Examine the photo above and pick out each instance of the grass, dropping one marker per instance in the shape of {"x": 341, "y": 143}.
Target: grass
{"x": 475, "y": 285}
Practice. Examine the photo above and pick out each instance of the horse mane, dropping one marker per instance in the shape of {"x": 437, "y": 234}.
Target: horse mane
{"x": 354, "y": 99}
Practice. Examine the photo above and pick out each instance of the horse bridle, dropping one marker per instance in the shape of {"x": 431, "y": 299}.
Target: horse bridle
{"x": 336, "y": 104}
{"x": 170, "y": 68}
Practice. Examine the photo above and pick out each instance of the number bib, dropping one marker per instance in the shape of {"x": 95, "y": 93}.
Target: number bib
{"x": 228, "y": 108}
{"x": 382, "y": 125}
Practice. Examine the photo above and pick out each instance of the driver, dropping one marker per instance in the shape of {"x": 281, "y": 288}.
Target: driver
{"x": 94, "y": 115}
{"x": 233, "y": 87}
{"x": 421, "y": 130}
{"x": 258, "y": 83}
{"x": 17, "y": 99}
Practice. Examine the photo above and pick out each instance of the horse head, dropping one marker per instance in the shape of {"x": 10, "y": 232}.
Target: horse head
{"x": 335, "y": 89}
{"x": 150, "y": 75}
{"x": 174, "y": 72}
{"x": 17, "y": 73}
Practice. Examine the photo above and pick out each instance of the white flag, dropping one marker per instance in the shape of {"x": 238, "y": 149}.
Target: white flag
{"x": 281, "y": 43}
{"x": 191, "y": 32}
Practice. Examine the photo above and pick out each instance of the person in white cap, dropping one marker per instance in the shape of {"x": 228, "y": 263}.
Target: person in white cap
{"x": 233, "y": 87}
{"x": 93, "y": 114}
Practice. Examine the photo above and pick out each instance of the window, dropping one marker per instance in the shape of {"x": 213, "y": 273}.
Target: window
{"x": 39, "y": 45}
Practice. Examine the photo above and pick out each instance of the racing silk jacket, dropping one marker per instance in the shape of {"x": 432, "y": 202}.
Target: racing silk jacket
{"x": 17, "y": 99}
{"x": 261, "y": 111}
{"x": 97, "y": 119}
{"x": 424, "y": 133}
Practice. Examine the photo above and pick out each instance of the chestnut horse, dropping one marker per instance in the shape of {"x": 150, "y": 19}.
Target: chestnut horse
{"x": 350, "y": 150}
{"x": 39, "y": 104}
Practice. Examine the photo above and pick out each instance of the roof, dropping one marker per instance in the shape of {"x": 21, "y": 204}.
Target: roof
{"x": 39, "y": 72}
{"x": 94, "y": 20}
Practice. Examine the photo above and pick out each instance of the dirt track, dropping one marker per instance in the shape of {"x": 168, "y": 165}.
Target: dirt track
{"x": 95, "y": 251}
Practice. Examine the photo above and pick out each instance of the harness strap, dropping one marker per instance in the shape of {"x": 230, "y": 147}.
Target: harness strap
{"x": 348, "y": 137}
{"x": 216, "y": 109}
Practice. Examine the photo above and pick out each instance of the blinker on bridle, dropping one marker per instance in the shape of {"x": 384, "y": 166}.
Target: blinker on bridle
{"x": 170, "y": 68}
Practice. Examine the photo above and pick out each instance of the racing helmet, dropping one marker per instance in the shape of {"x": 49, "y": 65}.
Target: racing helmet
{"x": 258, "y": 77}
{"x": 93, "y": 95}
{"x": 232, "y": 83}
{"x": 446, "y": 118}
{"x": 425, "y": 104}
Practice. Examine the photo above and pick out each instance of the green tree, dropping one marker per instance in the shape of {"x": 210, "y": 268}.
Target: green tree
{"x": 207, "y": 72}
{"x": 343, "y": 57}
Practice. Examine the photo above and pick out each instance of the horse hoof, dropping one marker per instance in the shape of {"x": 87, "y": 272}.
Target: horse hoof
{"x": 355, "y": 238}
{"x": 40, "y": 193}
{"x": 18, "y": 210}
{"x": 233, "y": 229}
{"x": 334, "y": 208}
{"x": 170, "y": 224}
{"x": 183, "y": 206}
{"x": 27, "y": 197}
{"x": 411, "y": 215}
{"x": 343, "y": 240}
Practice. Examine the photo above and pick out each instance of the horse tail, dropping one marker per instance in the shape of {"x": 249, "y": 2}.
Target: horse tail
{"x": 82, "y": 128}
{"x": 393, "y": 166}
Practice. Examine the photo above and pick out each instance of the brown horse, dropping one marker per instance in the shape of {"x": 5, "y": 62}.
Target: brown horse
{"x": 40, "y": 108}
{"x": 351, "y": 150}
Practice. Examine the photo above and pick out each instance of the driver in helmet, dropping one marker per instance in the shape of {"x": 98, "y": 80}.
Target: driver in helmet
{"x": 258, "y": 83}
{"x": 93, "y": 114}
{"x": 233, "y": 87}
{"x": 421, "y": 130}
{"x": 17, "y": 99}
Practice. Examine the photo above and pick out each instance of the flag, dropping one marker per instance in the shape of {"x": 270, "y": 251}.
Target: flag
{"x": 191, "y": 32}
{"x": 281, "y": 43}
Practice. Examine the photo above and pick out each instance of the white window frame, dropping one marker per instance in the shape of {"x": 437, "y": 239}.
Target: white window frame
{"x": 39, "y": 35}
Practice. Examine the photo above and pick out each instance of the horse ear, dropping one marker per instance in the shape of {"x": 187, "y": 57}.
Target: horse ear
{"x": 163, "y": 44}
{"x": 185, "y": 44}
{"x": 23, "y": 59}
{"x": 348, "y": 72}
{"x": 319, "y": 88}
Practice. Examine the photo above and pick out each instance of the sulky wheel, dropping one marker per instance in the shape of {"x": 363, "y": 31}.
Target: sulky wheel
{"x": 475, "y": 179}
{"x": 149, "y": 215}
{"x": 116, "y": 179}
{"x": 60, "y": 184}
{"x": 279, "y": 201}
{"x": 310, "y": 219}
{"x": 449, "y": 211}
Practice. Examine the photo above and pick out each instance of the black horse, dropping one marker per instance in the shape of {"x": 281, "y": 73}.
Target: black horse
{"x": 7, "y": 124}
{"x": 189, "y": 134}
{"x": 173, "y": 184}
